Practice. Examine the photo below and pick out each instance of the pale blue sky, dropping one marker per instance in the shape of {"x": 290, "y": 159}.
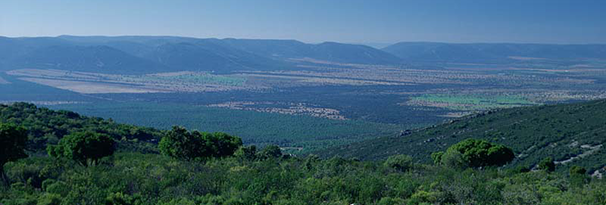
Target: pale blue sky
{"x": 352, "y": 21}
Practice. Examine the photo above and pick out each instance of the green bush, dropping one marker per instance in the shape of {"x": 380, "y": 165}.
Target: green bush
{"x": 270, "y": 151}
{"x": 577, "y": 170}
{"x": 454, "y": 159}
{"x": 49, "y": 199}
{"x": 399, "y": 162}
{"x": 182, "y": 144}
{"x": 481, "y": 153}
{"x": 119, "y": 198}
{"x": 547, "y": 164}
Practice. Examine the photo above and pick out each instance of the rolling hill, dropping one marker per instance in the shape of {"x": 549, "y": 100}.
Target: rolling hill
{"x": 572, "y": 134}
{"x": 101, "y": 59}
{"x": 45, "y": 126}
{"x": 492, "y": 52}
{"x": 151, "y": 54}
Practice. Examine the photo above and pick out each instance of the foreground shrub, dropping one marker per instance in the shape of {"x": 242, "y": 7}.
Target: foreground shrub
{"x": 83, "y": 147}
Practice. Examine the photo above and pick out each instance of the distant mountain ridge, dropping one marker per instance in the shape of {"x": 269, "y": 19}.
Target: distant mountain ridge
{"x": 492, "y": 52}
{"x": 150, "y": 54}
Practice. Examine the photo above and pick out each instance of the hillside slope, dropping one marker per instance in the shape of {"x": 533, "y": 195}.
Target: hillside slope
{"x": 573, "y": 134}
{"x": 45, "y": 126}
{"x": 492, "y": 52}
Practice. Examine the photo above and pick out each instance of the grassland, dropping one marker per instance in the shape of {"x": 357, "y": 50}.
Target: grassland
{"x": 468, "y": 102}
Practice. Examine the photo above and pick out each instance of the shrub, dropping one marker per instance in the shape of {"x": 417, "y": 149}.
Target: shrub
{"x": 271, "y": 151}
{"x": 49, "y": 199}
{"x": 577, "y": 170}
{"x": 480, "y": 153}
{"x": 547, "y": 164}
{"x": 454, "y": 159}
{"x": 399, "y": 162}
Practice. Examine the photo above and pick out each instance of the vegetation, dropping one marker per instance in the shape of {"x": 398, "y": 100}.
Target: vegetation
{"x": 306, "y": 132}
{"x": 135, "y": 178}
{"x": 547, "y": 164}
{"x": 469, "y": 103}
{"x": 45, "y": 126}
{"x": 571, "y": 134}
{"x": 83, "y": 147}
{"x": 478, "y": 153}
{"x": 12, "y": 145}
{"x": 201, "y": 168}
{"x": 181, "y": 144}
{"x": 191, "y": 78}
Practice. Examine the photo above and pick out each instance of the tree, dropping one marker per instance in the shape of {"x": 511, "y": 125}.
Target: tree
{"x": 12, "y": 145}
{"x": 436, "y": 157}
{"x": 248, "y": 153}
{"x": 221, "y": 144}
{"x": 120, "y": 198}
{"x": 577, "y": 170}
{"x": 547, "y": 164}
{"x": 454, "y": 159}
{"x": 83, "y": 147}
{"x": 182, "y": 144}
{"x": 480, "y": 153}
{"x": 271, "y": 151}
{"x": 399, "y": 162}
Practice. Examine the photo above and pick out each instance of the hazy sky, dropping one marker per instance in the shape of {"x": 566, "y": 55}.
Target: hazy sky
{"x": 376, "y": 21}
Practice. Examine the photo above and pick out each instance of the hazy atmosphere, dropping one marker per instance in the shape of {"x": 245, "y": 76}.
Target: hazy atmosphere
{"x": 355, "y": 21}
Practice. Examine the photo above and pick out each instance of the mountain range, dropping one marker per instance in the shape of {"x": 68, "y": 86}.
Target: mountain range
{"x": 151, "y": 54}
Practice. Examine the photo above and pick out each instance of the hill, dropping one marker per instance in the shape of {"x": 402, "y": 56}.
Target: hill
{"x": 492, "y": 52}
{"x": 45, "y": 126}
{"x": 572, "y": 134}
{"x": 248, "y": 176}
{"x": 101, "y": 59}
{"x": 152, "y": 54}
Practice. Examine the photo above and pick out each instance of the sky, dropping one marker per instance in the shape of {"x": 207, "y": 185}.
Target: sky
{"x": 349, "y": 21}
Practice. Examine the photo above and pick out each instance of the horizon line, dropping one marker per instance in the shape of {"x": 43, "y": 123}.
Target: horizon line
{"x": 292, "y": 39}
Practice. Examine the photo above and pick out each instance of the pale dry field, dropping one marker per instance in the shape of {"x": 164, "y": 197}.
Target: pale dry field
{"x": 96, "y": 83}
{"x": 91, "y": 87}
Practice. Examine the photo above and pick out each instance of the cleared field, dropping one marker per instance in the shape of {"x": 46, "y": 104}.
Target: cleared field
{"x": 95, "y": 83}
{"x": 468, "y": 102}
{"x": 384, "y": 94}
{"x": 91, "y": 87}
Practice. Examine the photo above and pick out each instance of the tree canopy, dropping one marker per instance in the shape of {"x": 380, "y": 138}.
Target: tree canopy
{"x": 83, "y": 147}
{"x": 12, "y": 144}
{"x": 479, "y": 153}
{"x": 182, "y": 144}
